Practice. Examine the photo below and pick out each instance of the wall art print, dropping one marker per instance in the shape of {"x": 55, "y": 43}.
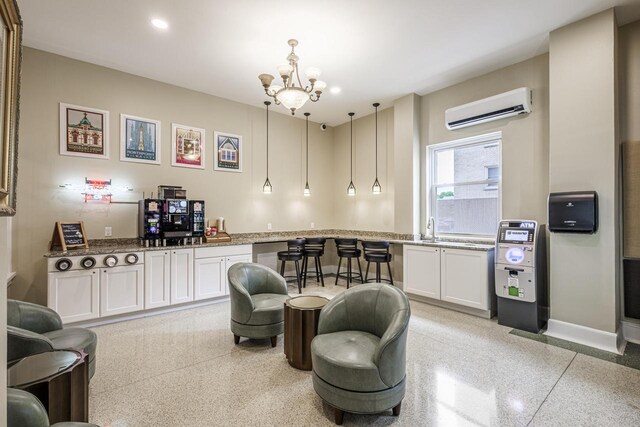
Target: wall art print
{"x": 139, "y": 139}
{"x": 187, "y": 146}
{"x": 228, "y": 155}
{"x": 84, "y": 131}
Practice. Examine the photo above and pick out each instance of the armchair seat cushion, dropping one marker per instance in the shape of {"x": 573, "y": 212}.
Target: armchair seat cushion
{"x": 345, "y": 359}
{"x": 269, "y": 309}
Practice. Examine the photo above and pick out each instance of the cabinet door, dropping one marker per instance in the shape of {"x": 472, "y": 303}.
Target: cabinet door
{"x": 209, "y": 279}
{"x": 157, "y": 278}
{"x": 230, "y": 260}
{"x": 181, "y": 275}
{"x": 421, "y": 271}
{"x": 75, "y": 295}
{"x": 121, "y": 290}
{"x": 465, "y": 277}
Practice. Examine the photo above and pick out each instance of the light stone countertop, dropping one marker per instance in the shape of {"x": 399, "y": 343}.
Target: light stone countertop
{"x": 109, "y": 246}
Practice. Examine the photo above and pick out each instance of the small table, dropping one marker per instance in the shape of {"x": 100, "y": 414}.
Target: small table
{"x": 300, "y": 326}
{"x": 59, "y": 379}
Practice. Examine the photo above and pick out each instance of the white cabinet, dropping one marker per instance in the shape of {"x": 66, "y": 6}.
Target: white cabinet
{"x": 75, "y": 295}
{"x": 234, "y": 259}
{"x": 209, "y": 277}
{"x": 465, "y": 278}
{"x": 157, "y": 279}
{"x": 181, "y": 275}
{"x": 121, "y": 290}
{"x": 421, "y": 267}
{"x": 459, "y": 276}
{"x": 212, "y": 265}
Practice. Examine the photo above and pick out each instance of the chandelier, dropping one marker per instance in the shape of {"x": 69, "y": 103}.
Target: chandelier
{"x": 290, "y": 95}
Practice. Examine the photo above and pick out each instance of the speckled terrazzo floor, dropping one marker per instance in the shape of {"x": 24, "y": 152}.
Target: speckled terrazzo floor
{"x": 182, "y": 369}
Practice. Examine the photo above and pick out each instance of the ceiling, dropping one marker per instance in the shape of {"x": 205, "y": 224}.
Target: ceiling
{"x": 374, "y": 50}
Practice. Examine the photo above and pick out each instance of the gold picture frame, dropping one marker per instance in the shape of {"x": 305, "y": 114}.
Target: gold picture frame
{"x": 10, "y": 60}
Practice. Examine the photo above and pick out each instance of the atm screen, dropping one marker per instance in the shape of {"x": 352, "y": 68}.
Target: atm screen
{"x": 517, "y": 235}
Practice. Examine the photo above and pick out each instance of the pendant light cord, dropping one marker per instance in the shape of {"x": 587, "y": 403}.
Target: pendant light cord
{"x": 307, "y": 149}
{"x": 351, "y": 147}
{"x": 268, "y": 140}
{"x": 376, "y": 142}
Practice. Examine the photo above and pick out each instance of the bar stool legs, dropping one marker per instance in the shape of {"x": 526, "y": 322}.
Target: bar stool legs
{"x": 318, "y": 270}
{"x": 349, "y": 275}
{"x": 298, "y": 273}
{"x": 378, "y": 274}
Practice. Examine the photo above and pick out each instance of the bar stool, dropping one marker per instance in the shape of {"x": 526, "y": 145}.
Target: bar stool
{"x": 295, "y": 253}
{"x": 348, "y": 248}
{"x": 377, "y": 252}
{"x": 313, "y": 248}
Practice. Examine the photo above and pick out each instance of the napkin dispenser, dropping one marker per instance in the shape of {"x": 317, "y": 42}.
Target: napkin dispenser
{"x": 573, "y": 212}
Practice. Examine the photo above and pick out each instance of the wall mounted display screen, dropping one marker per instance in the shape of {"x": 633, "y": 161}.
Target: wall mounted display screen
{"x": 177, "y": 207}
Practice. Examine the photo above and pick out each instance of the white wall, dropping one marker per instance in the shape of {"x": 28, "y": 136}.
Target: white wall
{"x": 583, "y": 155}
{"x": 365, "y": 211}
{"x": 525, "y": 139}
{"x": 48, "y": 79}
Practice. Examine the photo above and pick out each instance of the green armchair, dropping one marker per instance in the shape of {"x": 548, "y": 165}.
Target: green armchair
{"x": 33, "y": 329}
{"x": 257, "y": 296}
{"x": 359, "y": 354}
{"x": 25, "y": 410}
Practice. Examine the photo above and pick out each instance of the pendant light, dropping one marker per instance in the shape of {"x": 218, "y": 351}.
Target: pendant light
{"x": 376, "y": 188}
{"x": 307, "y": 190}
{"x": 266, "y": 188}
{"x": 351, "y": 189}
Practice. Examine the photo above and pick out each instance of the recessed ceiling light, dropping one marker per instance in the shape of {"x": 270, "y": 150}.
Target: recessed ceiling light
{"x": 335, "y": 90}
{"x": 160, "y": 23}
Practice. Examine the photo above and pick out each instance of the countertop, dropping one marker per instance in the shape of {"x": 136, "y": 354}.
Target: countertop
{"x": 108, "y": 246}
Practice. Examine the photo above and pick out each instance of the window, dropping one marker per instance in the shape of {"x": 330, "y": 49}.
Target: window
{"x": 464, "y": 185}
{"x": 493, "y": 175}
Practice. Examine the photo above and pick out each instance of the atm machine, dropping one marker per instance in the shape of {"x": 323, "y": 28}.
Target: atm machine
{"x": 521, "y": 275}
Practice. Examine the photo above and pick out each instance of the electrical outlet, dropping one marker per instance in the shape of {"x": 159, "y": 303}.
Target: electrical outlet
{"x": 313, "y": 225}
{"x": 268, "y": 226}
{"x": 108, "y": 232}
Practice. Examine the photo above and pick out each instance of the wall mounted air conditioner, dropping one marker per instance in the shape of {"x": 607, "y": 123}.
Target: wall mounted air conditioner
{"x": 514, "y": 102}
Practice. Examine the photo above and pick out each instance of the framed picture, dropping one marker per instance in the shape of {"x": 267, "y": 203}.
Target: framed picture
{"x": 228, "y": 155}
{"x": 187, "y": 146}
{"x": 139, "y": 139}
{"x": 84, "y": 131}
{"x": 10, "y": 58}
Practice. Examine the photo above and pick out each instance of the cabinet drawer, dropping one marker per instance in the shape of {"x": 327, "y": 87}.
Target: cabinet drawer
{"x": 223, "y": 251}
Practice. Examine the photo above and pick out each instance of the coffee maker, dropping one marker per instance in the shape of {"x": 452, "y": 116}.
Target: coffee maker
{"x": 176, "y": 225}
{"x": 196, "y": 217}
{"x": 150, "y": 221}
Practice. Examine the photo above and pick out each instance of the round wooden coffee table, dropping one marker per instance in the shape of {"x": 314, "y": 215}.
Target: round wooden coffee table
{"x": 59, "y": 379}
{"x": 300, "y": 326}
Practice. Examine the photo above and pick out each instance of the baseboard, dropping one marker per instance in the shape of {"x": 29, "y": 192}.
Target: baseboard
{"x": 486, "y": 314}
{"x": 607, "y": 341}
{"x": 146, "y": 313}
{"x": 631, "y": 331}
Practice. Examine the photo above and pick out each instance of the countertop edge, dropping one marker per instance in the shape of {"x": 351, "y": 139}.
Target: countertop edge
{"x": 262, "y": 238}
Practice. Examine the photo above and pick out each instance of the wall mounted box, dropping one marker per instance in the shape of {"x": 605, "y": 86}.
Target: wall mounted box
{"x": 573, "y": 212}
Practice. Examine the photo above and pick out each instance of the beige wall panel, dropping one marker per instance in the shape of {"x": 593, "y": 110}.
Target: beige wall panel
{"x": 631, "y": 198}
{"x": 48, "y": 79}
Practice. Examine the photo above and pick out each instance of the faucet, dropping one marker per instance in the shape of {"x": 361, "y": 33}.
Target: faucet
{"x": 431, "y": 225}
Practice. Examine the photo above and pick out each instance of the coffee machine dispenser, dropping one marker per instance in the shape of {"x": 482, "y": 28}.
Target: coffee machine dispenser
{"x": 196, "y": 216}
{"x": 521, "y": 275}
{"x": 150, "y": 221}
{"x": 176, "y": 226}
